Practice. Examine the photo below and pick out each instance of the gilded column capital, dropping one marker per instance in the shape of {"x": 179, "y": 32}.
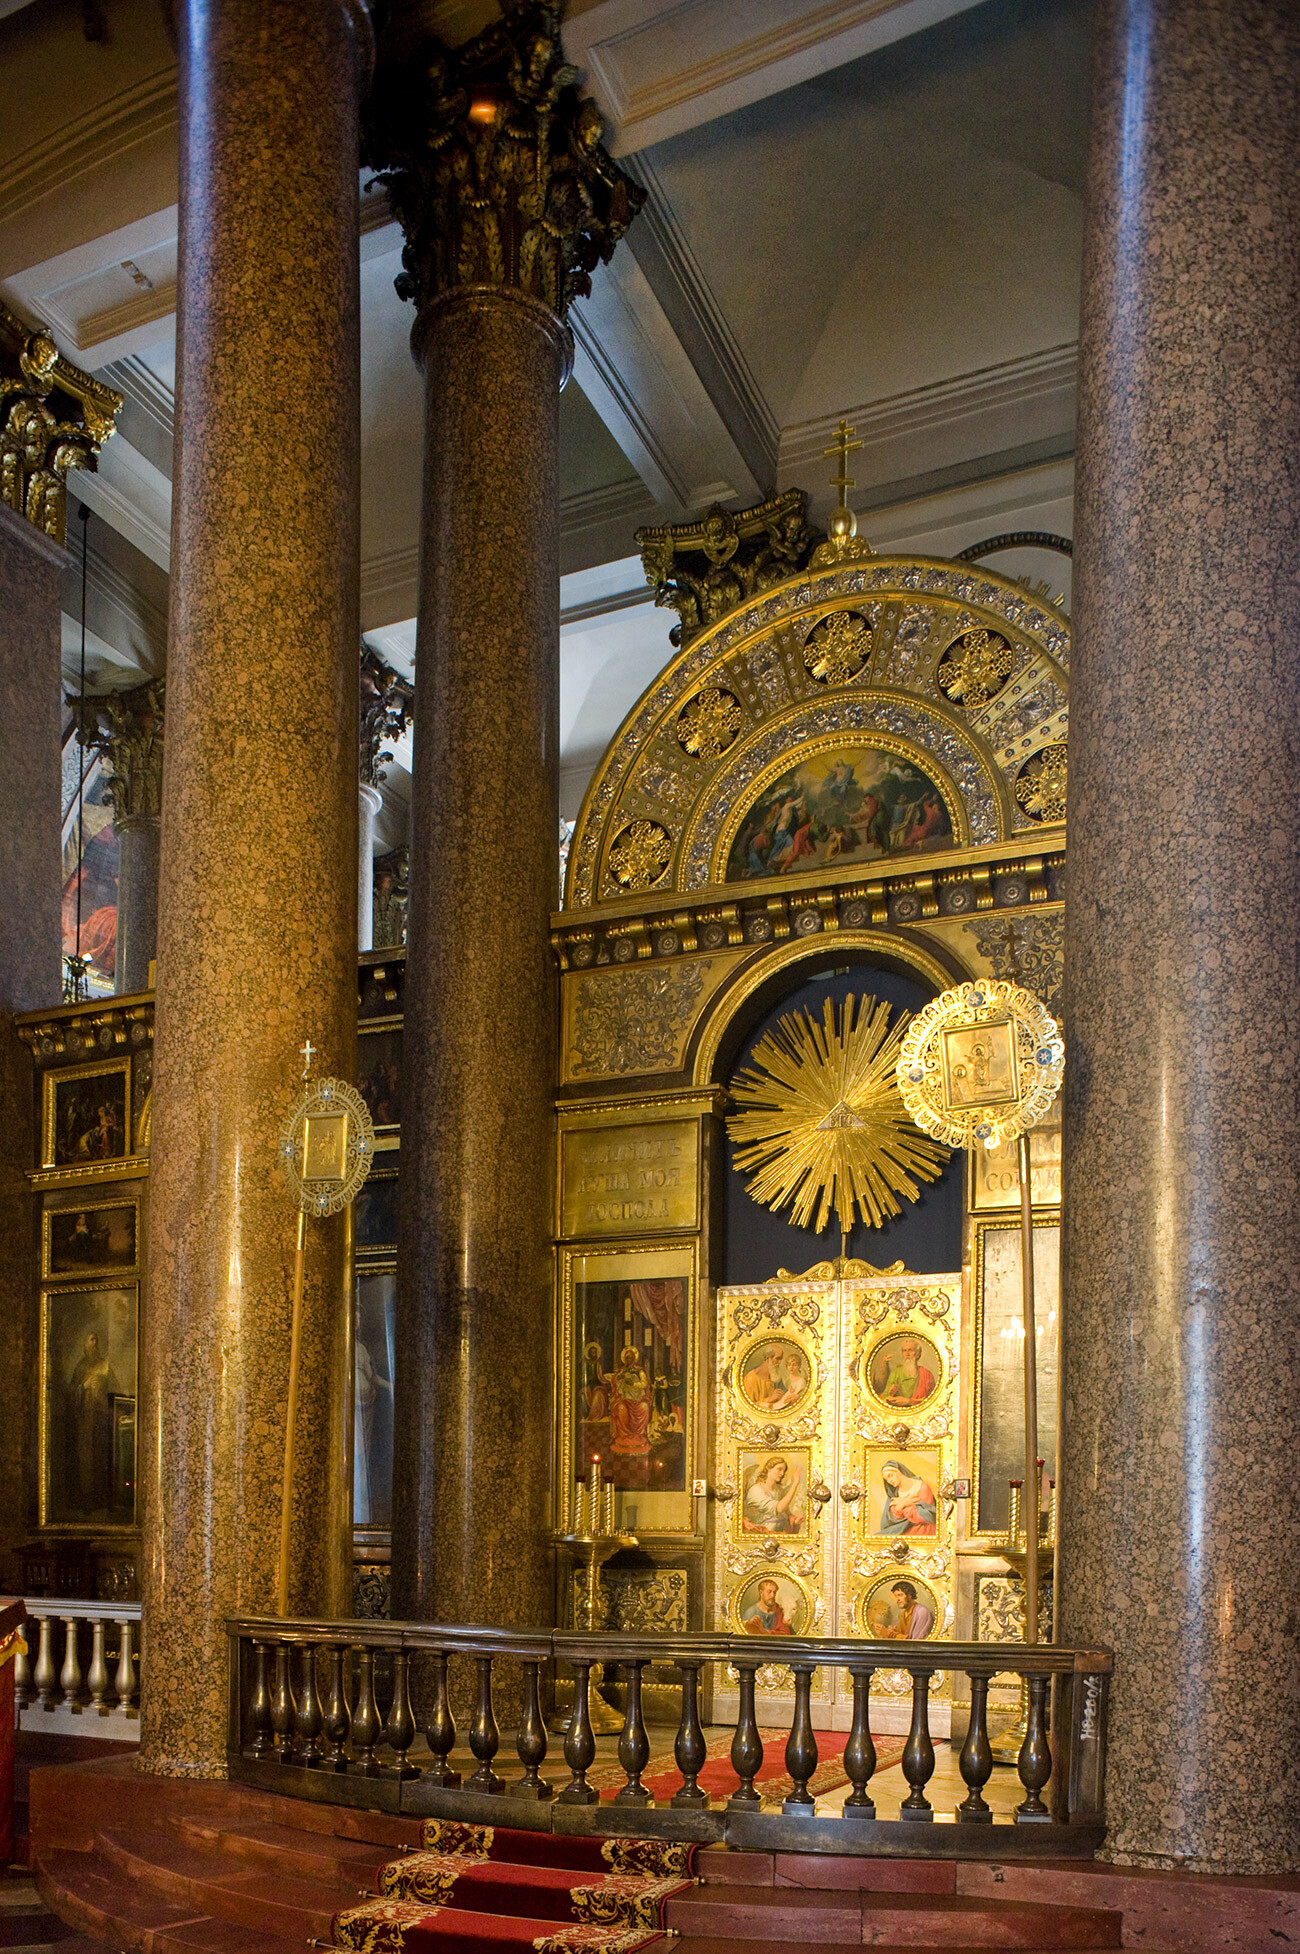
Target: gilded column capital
{"x": 53, "y": 417}
{"x": 126, "y": 728}
{"x": 704, "y": 567}
{"x": 493, "y": 162}
{"x": 387, "y": 703}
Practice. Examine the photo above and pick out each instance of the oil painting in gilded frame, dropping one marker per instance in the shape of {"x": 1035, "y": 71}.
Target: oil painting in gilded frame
{"x": 374, "y": 1213}
{"x": 774, "y": 1500}
{"x": 90, "y": 1240}
{"x": 86, "y": 1116}
{"x": 772, "y": 1601}
{"x": 904, "y": 1370}
{"x": 774, "y": 1376}
{"x": 89, "y": 1346}
{"x": 628, "y": 1337}
{"x": 374, "y": 1371}
{"x": 901, "y": 1498}
{"x": 900, "y": 1607}
{"x": 379, "y": 1073}
{"x": 997, "y": 1450}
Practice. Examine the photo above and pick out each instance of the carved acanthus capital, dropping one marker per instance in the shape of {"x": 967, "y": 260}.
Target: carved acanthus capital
{"x": 703, "y": 568}
{"x": 127, "y": 729}
{"x": 53, "y": 417}
{"x": 387, "y": 703}
{"x": 493, "y": 162}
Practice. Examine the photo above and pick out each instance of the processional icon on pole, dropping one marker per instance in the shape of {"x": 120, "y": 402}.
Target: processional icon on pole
{"x": 327, "y": 1147}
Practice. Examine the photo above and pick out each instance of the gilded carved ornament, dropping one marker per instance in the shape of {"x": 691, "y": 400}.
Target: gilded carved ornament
{"x": 387, "y": 707}
{"x": 493, "y": 163}
{"x": 703, "y": 568}
{"x": 1040, "y": 784}
{"x": 126, "y": 729}
{"x": 53, "y": 417}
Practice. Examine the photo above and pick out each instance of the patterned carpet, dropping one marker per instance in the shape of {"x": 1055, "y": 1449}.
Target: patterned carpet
{"x": 661, "y": 1776}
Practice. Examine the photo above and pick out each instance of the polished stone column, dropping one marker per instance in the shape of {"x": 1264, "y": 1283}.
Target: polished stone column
{"x": 369, "y": 802}
{"x": 1180, "y": 1500}
{"x": 127, "y": 729}
{"x": 256, "y": 947}
{"x": 495, "y": 169}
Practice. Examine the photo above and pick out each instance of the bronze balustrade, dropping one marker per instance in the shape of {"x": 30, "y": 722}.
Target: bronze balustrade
{"x": 305, "y": 1720}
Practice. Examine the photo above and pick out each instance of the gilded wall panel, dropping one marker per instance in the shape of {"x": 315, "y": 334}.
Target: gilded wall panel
{"x": 621, "y": 1022}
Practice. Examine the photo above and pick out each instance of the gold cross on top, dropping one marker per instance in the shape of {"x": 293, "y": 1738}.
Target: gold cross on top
{"x": 307, "y": 1052}
{"x": 843, "y": 447}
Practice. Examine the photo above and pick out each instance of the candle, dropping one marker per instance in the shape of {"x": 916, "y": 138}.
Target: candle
{"x": 577, "y": 1508}
{"x": 608, "y": 1526}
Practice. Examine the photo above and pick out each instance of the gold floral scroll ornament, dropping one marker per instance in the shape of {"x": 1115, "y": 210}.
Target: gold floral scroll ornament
{"x": 708, "y": 723}
{"x": 640, "y": 855}
{"x": 836, "y": 649}
{"x": 823, "y": 1124}
{"x": 981, "y": 1064}
{"x": 975, "y": 667}
{"x": 1040, "y": 784}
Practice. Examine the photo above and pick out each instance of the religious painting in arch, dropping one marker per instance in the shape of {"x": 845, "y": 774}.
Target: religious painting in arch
{"x": 903, "y": 1370}
{"x": 901, "y": 1608}
{"x": 633, "y": 1342}
{"x": 902, "y": 1493}
{"x": 851, "y": 803}
{"x": 772, "y": 1602}
{"x": 774, "y": 1498}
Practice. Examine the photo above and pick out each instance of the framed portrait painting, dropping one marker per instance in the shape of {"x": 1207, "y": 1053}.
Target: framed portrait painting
{"x": 901, "y": 1499}
{"x": 775, "y": 1377}
{"x": 88, "y": 1358}
{"x": 774, "y": 1501}
{"x": 99, "y": 1238}
{"x": 904, "y": 1370}
{"x": 774, "y": 1602}
{"x": 375, "y": 1213}
{"x": 374, "y": 1361}
{"x": 900, "y": 1607}
{"x": 87, "y": 1115}
{"x": 379, "y": 1074}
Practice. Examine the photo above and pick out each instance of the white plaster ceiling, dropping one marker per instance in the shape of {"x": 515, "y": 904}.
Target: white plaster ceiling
{"x": 871, "y": 209}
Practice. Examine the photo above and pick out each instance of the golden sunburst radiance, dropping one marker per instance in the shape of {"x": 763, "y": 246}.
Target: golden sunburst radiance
{"x": 824, "y": 1126}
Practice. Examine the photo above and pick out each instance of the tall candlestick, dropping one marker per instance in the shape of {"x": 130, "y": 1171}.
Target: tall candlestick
{"x": 608, "y": 1525}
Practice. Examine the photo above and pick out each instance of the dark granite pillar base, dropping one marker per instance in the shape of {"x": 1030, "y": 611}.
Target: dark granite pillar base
{"x": 471, "y": 1480}
{"x": 139, "y": 838}
{"x": 1180, "y": 1499}
{"x": 256, "y": 941}
{"x": 31, "y": 565}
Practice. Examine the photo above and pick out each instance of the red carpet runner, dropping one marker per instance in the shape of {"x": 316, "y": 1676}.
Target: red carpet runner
{"x": 475, "y": 1887}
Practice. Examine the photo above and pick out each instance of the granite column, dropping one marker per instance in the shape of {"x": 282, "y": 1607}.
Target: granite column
{"x": 256, "y": 947}
{"x": 495, "y": 169}
{"x": 1180, "y": 1506}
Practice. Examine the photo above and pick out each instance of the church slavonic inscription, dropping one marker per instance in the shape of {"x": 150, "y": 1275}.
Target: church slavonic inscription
{"x": 621, "y": 1180}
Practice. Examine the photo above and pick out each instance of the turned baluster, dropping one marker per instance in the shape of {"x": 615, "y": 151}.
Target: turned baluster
{"x": 633, "y": 1743}
{"x": 307, "y": 1714}
{"x": 259, "y": 1703}
{"x": 399, "y": 1731}
{"x": 801, "y": 1744}
{"x": 918, "y": 1753}
{"x": 22, "y": 1673}
{"x": 441, "y": 1728}
{"x": 336, "y": 1714}
{"x": 746, "y": 1745}
{"x": 1035, "y": 1760}
{"x": 690, "y": 1749}
{"x": 484, "y": 1736}
{"x": 282, "y": 1706}
{"x": 859, "y": 1751}
{"x": 976, "y": 1757}
{"x": 365, "y": 1718}
{"x": 124, "y": 1675}
{"x": 531, "y": 1741}
{"x": 45, "y": 1675}
{"x": 97, "y": 1674}
{"x": 70, "y": 1674}
{"x": 580, "y": 1742}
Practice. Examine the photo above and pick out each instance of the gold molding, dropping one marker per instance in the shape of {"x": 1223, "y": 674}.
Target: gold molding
{"x": 727, "y": 1002}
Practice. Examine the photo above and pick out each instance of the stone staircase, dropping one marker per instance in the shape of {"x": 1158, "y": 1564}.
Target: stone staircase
{"x": 164, "y": 1866}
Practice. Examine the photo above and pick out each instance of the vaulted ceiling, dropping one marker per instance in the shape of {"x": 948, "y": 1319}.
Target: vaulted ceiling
{"x": 872, "y": 210}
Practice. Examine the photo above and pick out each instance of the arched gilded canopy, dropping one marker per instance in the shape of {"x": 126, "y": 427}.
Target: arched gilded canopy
{"x": 874, "y": 707}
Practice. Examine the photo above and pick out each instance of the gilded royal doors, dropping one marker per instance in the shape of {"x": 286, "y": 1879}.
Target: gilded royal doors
{"x": 835, "y": 1440}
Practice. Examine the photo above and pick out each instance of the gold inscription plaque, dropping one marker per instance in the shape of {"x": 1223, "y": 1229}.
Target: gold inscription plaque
{"x": 994, "y": 1172}
{"x": 617, "y": 1180}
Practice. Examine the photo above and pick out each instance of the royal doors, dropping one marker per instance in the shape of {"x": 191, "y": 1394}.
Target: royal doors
{"x": 835, "y": 1447}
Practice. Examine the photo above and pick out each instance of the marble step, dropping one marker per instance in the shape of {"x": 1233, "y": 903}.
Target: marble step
{"x": 308, "y": 1855}
{"x": 279, "y": 1904}
{"x": 825, "y": 1918}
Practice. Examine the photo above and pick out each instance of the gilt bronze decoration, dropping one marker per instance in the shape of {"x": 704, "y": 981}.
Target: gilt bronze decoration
{"x": 824, "y": 1126}
{"x": 708, "y": 723}
{"x": 640, "y": 855}
{"x": 702, "y": 569}
{"x": 1040, "y": 785}
{"x": 493, "y": 163}
{"x": 55, "y": 418}
{"x": 980, "y": 1064}
{"x": 975, "y": 667}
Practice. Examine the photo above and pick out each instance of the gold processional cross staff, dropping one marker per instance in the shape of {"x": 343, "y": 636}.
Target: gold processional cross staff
{"x": 327, "y": 1147}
